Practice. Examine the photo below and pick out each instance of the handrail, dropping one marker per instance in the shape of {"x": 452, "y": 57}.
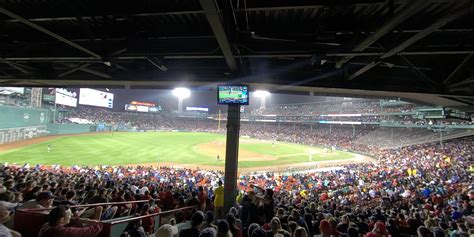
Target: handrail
{"x": 150, "y": 215}
{"x": 87, "y": 205}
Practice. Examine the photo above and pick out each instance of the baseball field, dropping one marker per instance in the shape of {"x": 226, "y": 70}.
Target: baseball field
{"x": 184, "y": 149}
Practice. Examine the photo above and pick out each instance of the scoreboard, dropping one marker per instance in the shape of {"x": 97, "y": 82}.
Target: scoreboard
{"x": 144, "y": 107}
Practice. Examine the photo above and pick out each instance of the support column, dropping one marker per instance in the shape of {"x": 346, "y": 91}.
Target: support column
{"x": 231, "y": 156}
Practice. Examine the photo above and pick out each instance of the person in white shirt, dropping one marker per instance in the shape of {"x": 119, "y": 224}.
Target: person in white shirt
{"x": 5, "y": 217}
{"x": 43, "y": 200}
{"x": 143, "y": 190}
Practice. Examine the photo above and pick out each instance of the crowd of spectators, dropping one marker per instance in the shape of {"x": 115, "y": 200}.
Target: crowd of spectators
{"x": 139, "y": 121}
{"x": 335, "y": 107}
{"x": 384, "y": 137}
{"x": 423, "y": 190}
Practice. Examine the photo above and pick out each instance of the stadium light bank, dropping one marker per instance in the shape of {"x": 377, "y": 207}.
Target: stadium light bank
{"x": 262, "y": 95}
{"x": 182, "y": 93}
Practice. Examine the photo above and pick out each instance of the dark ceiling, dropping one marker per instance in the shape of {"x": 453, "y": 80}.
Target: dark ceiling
{"x": 422, "y": 46}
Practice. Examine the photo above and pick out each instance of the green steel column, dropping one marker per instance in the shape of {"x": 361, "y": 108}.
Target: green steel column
{"x": 231, "y": 156}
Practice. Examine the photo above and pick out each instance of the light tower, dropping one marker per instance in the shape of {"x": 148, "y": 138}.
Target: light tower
{"x": 262, "y": 95}
{"x": 182, "y": 93}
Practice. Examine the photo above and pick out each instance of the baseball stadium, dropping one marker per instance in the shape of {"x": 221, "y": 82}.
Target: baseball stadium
{"x": 154, "y": 134}
{"x": 236, "y": 118}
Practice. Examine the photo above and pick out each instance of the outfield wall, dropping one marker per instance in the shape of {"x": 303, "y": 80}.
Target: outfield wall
{"x": 21, "y": 123}
{"x": 59, "y": 129}
{"x": 17, "y": 117}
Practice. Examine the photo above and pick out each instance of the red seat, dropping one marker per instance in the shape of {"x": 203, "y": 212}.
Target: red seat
{"x": 29, "y": 223}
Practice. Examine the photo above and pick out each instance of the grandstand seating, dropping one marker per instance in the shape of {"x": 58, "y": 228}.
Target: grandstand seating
{"x": 439, "y": 173}
{"x": 413, "y": 184}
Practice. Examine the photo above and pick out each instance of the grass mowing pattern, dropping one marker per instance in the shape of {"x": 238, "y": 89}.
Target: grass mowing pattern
{"x": 142, "y": 148}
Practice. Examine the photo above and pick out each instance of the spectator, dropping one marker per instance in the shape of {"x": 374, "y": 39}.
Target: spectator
{"x": 424, "y": 232}
{"x": 196, "y": 223}
{"x": 209, "y": 221}
{"x": 277, "y": 229}
{"x": 301, "y": 232}
{"x": 208, "y": 232}
{"x": 219, "y": 200}
{"x": 234, "y": 229}
{"x": 59, "y": 225}
{"x": 223, "y": 229}
{"x": 43, "y": 200}
{"x": 167, "y": 230}
{"x": 5, "y": 215}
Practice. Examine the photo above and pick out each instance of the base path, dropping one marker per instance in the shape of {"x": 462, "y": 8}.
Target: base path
{"x": 306, "y": 166}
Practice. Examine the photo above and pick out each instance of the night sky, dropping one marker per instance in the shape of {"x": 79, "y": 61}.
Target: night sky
{"x": 206, "y": 99}
{"x": 199, "y": 98}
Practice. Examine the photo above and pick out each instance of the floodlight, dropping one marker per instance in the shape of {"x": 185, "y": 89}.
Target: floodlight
{"x": 182, "y": 92}
{"x": 261, "y": 93}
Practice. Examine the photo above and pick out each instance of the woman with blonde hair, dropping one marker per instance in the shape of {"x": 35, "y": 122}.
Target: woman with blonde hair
{"x": 300, "y": 232}
{"x": 277, "y": 229}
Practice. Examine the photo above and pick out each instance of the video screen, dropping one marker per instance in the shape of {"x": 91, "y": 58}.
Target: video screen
{"x": 198, "y": 109}
{"x": 145, "y": 107}
{"x": 96, "y": 98}
{"x": 65, "y": 97}
{"x": 227, "y": 94}
{"x": 11, "y": 90}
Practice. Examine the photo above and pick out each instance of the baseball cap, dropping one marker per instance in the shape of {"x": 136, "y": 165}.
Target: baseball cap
{"x": 208, "y": 232}
{"x": 45, "y": 195}
{"x": 8, "y": 205}
{"x": 167, "y": 230}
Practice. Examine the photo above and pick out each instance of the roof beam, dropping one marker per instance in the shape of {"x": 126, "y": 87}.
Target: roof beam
{"x": 418, "y": 36}
{"x": 145, "y": 14}
{"x": 83, "y": 67}
{"x": 465, "y": 82}
{"x": 212, "y": 15}
{"x": 15, "y": 65}
{"x": 418, "y": 72}
{"x": 159, "y": 65}
{"x": 363, "y": 70}
{"x": 76, "y": 68}
{"x": 456, "y": 70}
{"x": 210, "y": 56}
{"x": 407, "y": 10}
{"x": 48, "y": 32}
{"x": 97, "y": 73}
{"x": 428, "y": 30}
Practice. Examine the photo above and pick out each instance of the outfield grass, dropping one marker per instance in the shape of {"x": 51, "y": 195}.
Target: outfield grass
{"x": 142, "y": 148}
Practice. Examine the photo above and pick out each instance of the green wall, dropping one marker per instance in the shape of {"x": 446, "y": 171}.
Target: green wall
{"x": 57, "y": 129}
{"x": 14, "y": 117}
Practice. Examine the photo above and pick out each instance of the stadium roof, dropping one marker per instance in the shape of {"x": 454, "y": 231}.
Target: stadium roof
{"x": 423, "y": 46}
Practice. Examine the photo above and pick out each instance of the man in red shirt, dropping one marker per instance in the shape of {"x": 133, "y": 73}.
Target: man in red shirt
{"x": 168, "y": 199}
{"x": 59, "y": 225}
{"x": 202, "y": 197}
